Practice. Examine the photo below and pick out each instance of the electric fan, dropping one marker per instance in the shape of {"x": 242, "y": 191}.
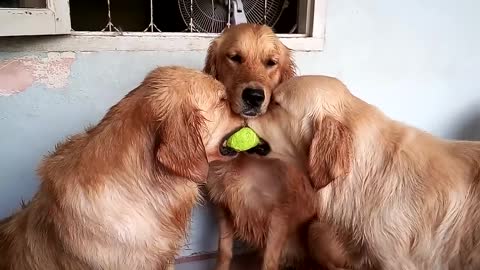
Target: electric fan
{"x": 212, "y": 16}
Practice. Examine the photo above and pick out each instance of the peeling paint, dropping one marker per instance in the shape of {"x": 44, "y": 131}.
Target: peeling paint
{"x": 53, "y": 71}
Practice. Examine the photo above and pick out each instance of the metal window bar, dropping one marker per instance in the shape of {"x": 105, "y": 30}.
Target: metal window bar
{"x": 110, "y": 25}
{"x": 265, "y": 12}
{"x": 190, "y": 26}
{"x": 228, "y": 17}
{"x": 152, "y": 26}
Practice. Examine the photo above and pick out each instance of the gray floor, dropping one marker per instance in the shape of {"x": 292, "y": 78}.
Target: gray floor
{"x": 197, "y": 265}
{"x": 240, "y": 263}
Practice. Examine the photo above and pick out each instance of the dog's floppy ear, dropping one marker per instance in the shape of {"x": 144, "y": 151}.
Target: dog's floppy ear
{"x": 210, "y": 60}
{"x": 288, "y": 67}
{"x": 330, "y": 154}
{"x": 179, "y": 146}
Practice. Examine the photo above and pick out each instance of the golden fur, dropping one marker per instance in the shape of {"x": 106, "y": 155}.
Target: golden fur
{"x": 268, "y": 206}
{"x": 398, "y": 197}
{"x": 249, "y": 55}
{"x": 255, "y": 200}
{"x": 120, "y": 194}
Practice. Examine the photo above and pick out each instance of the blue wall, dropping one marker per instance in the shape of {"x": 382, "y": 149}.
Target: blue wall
{"x": 417, "y": 60}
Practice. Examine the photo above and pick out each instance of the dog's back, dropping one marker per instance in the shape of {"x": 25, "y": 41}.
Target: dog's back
{"x": 417, "y": 198}
{"x": 5, "y": 243}
{"x": 442, "y": 191}
{"x": 444, "y": 196}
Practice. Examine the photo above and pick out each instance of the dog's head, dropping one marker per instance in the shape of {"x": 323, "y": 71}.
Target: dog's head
{"x": 251, "y": 61}
{"x": 308, "y": 123}
{"x": 193, "y": 117}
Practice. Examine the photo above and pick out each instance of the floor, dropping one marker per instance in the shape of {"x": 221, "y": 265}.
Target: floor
{"x": 239, "y": 263}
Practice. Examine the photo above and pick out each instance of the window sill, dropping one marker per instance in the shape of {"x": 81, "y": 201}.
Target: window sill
{"x": 133, "y": 41}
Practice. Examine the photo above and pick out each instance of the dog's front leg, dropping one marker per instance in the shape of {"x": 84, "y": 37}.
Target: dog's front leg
{"x": 225, "y": 240}
{"x": 277, "y": 236}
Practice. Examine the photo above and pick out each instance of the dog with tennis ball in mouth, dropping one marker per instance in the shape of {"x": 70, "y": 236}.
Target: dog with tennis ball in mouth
{"x": 269, "y": 206}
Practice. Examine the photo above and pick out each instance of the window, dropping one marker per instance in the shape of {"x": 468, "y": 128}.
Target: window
{"x": 34, "y": 17}
{"x": 161, "y": 24}
{"x": 201, "y": 16}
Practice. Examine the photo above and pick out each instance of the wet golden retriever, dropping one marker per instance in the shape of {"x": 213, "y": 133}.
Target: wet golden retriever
{"x": 120, "y": 194}
{"x": 256, "y": 201}
{"x": 399, "y": 197}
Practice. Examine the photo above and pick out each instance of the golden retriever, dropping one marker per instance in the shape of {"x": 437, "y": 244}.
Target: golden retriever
{"x": 256, "y": 202}
{"x": 250, "y": 61}
{"x": 399, "y": 197}
{"x": 120, "y": 195}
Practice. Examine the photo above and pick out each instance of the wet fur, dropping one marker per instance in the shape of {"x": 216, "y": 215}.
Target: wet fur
{"x": 398, "y": 197}
{"x": 250, "y": 204}
{"x": 255, "y": 45}
{"x": 120, "y": 194}
{"x": 269, "y": 206}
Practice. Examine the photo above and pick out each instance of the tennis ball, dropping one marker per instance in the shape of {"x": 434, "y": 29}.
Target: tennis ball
{"x": 243, "y": 140}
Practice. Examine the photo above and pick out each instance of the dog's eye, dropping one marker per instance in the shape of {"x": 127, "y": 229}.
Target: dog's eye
{"x": 271, "y": 63}
{"x": 236, "y": 58}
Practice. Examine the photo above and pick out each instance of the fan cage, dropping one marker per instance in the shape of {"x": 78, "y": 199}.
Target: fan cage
{"x": 210, "y": 16}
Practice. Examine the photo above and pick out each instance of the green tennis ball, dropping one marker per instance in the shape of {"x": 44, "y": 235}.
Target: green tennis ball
{"x": 243, "y": 140}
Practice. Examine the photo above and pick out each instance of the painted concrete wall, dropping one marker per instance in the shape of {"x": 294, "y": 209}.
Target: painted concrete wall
{"x": 416, "y": 60}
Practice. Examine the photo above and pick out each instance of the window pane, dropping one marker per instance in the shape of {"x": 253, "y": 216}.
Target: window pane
{"x": 174, "y": 15}
{"x": 23, "y": 3}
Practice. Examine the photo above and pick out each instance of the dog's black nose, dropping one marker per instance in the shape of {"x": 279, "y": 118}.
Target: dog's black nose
{"x": 253, "y": 98}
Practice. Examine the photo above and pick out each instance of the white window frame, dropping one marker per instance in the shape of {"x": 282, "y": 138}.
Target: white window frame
{"x": 312, "y": 15}
{"x": 52, "y": 20}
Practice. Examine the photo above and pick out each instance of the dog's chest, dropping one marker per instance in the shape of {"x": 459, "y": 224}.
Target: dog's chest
{"x": 249, "y": 190}
{"x": 250, "y": 207}
{"x": 249, "y": 193}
